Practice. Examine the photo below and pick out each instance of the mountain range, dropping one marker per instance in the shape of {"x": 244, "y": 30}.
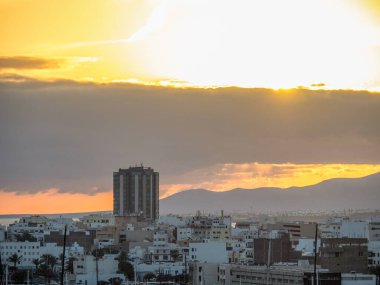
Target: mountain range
{"x": 333, "y": 194}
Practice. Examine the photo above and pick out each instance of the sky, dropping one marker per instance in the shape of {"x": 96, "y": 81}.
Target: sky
{"x": 212, "y": 94}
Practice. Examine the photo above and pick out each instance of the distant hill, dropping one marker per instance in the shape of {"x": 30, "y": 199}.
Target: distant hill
{"x": 332, "y": 194}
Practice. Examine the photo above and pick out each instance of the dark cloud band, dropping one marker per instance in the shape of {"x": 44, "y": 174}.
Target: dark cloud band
{"x": 25, "y": 62}
{"x": 72, "y": 135}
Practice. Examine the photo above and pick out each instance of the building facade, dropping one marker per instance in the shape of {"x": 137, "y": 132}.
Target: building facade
{"x": 136, "y": 192}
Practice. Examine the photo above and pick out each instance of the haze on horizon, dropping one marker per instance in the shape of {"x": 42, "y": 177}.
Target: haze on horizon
{"x": 88, "y": 87}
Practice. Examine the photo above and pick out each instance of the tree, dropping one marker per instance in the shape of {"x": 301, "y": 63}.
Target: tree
{"x": 375, "y": 270}
{"x": 25, "y": 236}
{"x": 174, "y": 254}
{"x": 36, "y": 262}
{"x": 49, "y": 260}
{"x": 175, "y": 234}
{"x": 115, "y": 281}
{"x": 47, "y": 272}
{"x": 149, "y": 276}
{"x": 164, "y": 278}
{"x": 19, "y": 276}
{"x": 125, "y": 267}
{"x": 14, "y": 258}
{"x": 70, "y": 265}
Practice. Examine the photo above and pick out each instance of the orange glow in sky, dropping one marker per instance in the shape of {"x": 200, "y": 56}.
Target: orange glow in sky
{"x": 274, "y": 43}
{"x": 219, "y": 178}
{"x": 323, "y": 44}
{"x": 51, "y": 201}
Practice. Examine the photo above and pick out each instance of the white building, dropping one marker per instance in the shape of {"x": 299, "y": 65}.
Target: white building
{"x": 374, "y": 253}
{"x": 166, "y": 268}
{"x": 184, "y": 233}
{"x": 306, "y": 246}
{"x": 172, "y": 220}
{"x": 374, "y": 231}
{"x": 85, "y": 269}
{"x": 203, "y": 273}
{"x": 358, "y": 279}
{"x": 96, "y": 221}
{"x": 26, "y": 250}
{"x": 35, "y": 229}
{"x": 34, "y": 250}
{"x": 208, "y": 251}
{"x": 354, "y": 229}
{"x": 2, "y": 233}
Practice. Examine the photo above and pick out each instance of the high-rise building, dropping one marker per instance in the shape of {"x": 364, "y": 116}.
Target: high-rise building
{"x": 136, "y": 192}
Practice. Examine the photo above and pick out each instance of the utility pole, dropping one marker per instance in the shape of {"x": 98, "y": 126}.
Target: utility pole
{"x": 63, "y": 255}
{"x": 96, "y": 264}
{"x": 315, "y": 252}
{"x": 185, "y": 268}
{"x": 135, "y": 271}
{"x": 268, "y": 261}
{"x": 6, "y": 274}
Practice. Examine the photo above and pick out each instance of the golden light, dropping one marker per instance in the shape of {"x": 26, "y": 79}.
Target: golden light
{"x": 223, "y": 177}
{"x": 248, "y": 43}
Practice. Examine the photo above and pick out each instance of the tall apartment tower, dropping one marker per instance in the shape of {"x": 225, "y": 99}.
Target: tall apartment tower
{"x": 136, "y": 192}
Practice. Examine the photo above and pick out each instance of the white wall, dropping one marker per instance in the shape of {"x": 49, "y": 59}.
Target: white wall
{"x": 354, "y": 229}
{"x": 212, "y": 251}
{"x": 358, "y": 279}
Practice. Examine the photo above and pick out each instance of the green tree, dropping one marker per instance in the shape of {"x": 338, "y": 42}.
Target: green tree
{"x": 19, "y": 276}
{"x": 70, "y": 265}
{"x": 149, "y": 276}
{"x": 375, "y": 270}
{"x": 164, "y": 278}
{"x": 174, "y": 254}
{"x": 47, "y": 272}
{"x": 14, "y": 258}
{"x": 49, "y": 260}
{"x": 25, "y": 236}
{"x": 115, "y": 281}
{"x": 36, "y": 262}
{"x": 125, "y": 267}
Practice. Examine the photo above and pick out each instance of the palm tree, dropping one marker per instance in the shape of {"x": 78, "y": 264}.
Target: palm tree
{"x": 36, "y": 262}
{"x": 47, "y": 272}
{"x": 49, "y": 260}
{"x": 174, "y": 254}
{"x": 14, "y": 258}
{"x": 149, "y": 276}
{"x": 125, "y": 267}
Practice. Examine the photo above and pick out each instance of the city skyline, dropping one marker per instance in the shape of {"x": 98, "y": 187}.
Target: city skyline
{"x": 213, "y": 95}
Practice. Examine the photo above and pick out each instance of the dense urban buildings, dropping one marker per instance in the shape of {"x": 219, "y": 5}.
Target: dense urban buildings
{"x": 136, "y": 192}
{"x": 134, "y": 244}
{"x": 202, "y": 249}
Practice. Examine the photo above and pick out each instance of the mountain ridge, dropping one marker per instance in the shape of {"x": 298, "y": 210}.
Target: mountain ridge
{"x": 331, "y": 194}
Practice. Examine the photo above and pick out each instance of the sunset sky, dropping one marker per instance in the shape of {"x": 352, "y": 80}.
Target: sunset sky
{"x": 212, "y": 94}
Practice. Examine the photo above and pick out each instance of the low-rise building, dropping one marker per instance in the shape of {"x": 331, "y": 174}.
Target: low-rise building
{"x": 344, "y": 254}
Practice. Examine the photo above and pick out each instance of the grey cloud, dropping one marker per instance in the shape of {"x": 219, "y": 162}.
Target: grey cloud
{"x": 72, "y": 136}
{"x": 26, "y": 62}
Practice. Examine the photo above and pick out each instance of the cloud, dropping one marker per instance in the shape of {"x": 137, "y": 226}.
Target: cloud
{"x": 27, "y": 62}
{"x": 72, "y": 136}
{"x": 93, "y": 43}
{"x": 223, "y": 177}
